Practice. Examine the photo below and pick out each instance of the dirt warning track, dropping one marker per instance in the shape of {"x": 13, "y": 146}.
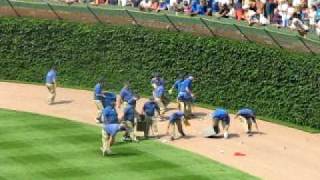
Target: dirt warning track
{"x": 280, "y": 153}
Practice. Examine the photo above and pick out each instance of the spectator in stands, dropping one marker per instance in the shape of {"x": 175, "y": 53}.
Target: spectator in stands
{"x": 135, "y": 3}
{"x": 260, "y": 4}
{"x": 276, "y": 18}
{"x": 283, "y": 11}
{"x": 224, "y": 8}
{"x": 123, "y": 3}
{"x": 269, "y": 10}
{"x": 178, "y": 6}
{"x": 318, "y": 29}
{"x": 296, "y": 4}
{"x": 312, "y": 16}
{"x": 213, "y": 7}
{"x": 163, "y": 5}
{"x": 145, "y": 5}
{"x": 298, "y": 25}
{"x": 239, "y": 13}
{"x": 155, "y": 6}
{"x": 201, "y": 8}
{"x": 186, "y": 8}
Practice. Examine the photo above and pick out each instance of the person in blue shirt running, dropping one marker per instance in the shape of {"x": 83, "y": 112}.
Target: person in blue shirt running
{"x": 176, "y": 86}
{"x": 247, "y": 117}
{"x": 110, "y": 128}
{"x": 149, "y": 110}
{"x": 51, "y": 84}
{"x": 126, "y": 94}
{"x": 175, "y": 120}
{"x": 221, "y": 115}
{"x": 98, "y": 97}
{"x": 129, "y": 118}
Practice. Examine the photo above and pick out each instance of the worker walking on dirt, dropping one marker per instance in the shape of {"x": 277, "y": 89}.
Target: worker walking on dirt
{"x": 247, "y": 118}
{"x": 156, "y": 81}
{"x": 98, "y": 97}
{"x": 221, "y": 115}
{"x": 129, "y": 118}
{"x": 149, "y": 110}
{"x": 161, "y": 99}
{"x": 111, "y": 127}
{"x": 175, "y": 119}
{"x": 186, "y": 97}
{"x": 176, "y": 86}
{"x": 51, "y": 84}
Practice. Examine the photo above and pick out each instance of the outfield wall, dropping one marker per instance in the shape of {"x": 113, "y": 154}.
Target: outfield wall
{"x": 199, "y": 25}
{"x": 232, "y": 74}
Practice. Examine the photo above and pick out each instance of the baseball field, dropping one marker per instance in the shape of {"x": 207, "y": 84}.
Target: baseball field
{"x": 42, "y": 147}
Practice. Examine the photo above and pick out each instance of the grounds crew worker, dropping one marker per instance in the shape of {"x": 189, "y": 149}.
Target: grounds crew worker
{"x": 186, "y": 96}
{"x": 221, "y": 115}
{"x": 98, "y": 97}
{"x": 247, "y": 117}
{"x": 130, "y": 116}
{"x": 149, "y": 111}
{"x": 156, "y": 81}
{"x": 126, "y": 94}
{"x": 176, "y": 86}
{"x": 110, "y": 128}
{"x": 160, "y": 99}
{"x": 175, "y": 119}
{"x": 51, "y": 84}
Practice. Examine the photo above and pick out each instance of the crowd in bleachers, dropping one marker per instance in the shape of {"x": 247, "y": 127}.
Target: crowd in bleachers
{"x": 299, "y": 15}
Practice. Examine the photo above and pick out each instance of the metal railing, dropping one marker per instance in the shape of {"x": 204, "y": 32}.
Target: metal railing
{"x": 200, "y": 25}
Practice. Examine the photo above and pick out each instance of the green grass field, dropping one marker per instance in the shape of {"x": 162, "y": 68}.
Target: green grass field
{"x": 41, "y": 147}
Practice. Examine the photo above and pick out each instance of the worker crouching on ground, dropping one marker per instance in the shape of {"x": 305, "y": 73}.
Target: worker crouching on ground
{"x": 175, "y": 119}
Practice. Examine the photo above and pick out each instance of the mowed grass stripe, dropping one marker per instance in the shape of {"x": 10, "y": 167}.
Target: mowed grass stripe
{"x": 41, "y": 147}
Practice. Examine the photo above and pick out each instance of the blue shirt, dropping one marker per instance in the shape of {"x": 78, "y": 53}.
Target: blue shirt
{"x": 215, "y": 6}
{"x": 220, "y": 114}
{"x": 128, "y": 113}
{"x": 176, "y": 116}
{"x": 126, "y": 94}
{"x": 186, "y": 84}
{"x": 177, "y": 84}
{"x": 201, "y": 9}
{"x": 194, "y": 4}
{"x": 98, "y": 92}
{"x": 51, "y": 76}
{"x": 247, "y": 113}
{"x": 150, "y": 107}
{"x": 109, "y": 99}
{"x": 110, "y": 115}
{"x": 157, "y": 81}
{"x": 159, "y": 92}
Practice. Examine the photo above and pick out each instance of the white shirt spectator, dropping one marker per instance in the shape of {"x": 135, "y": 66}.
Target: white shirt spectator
{"x": 318, "y": 29}
{"x": 312, "y": 17}
{"x": 123, "y": 2}
{"x": 291, "y": 10}
{"x": 296, "y": 3}
{"x": 172, "y": 2}
{"x": 283, "y": 8}
{"x": 224, "y": 2}
{"x": 145, "y": 3}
